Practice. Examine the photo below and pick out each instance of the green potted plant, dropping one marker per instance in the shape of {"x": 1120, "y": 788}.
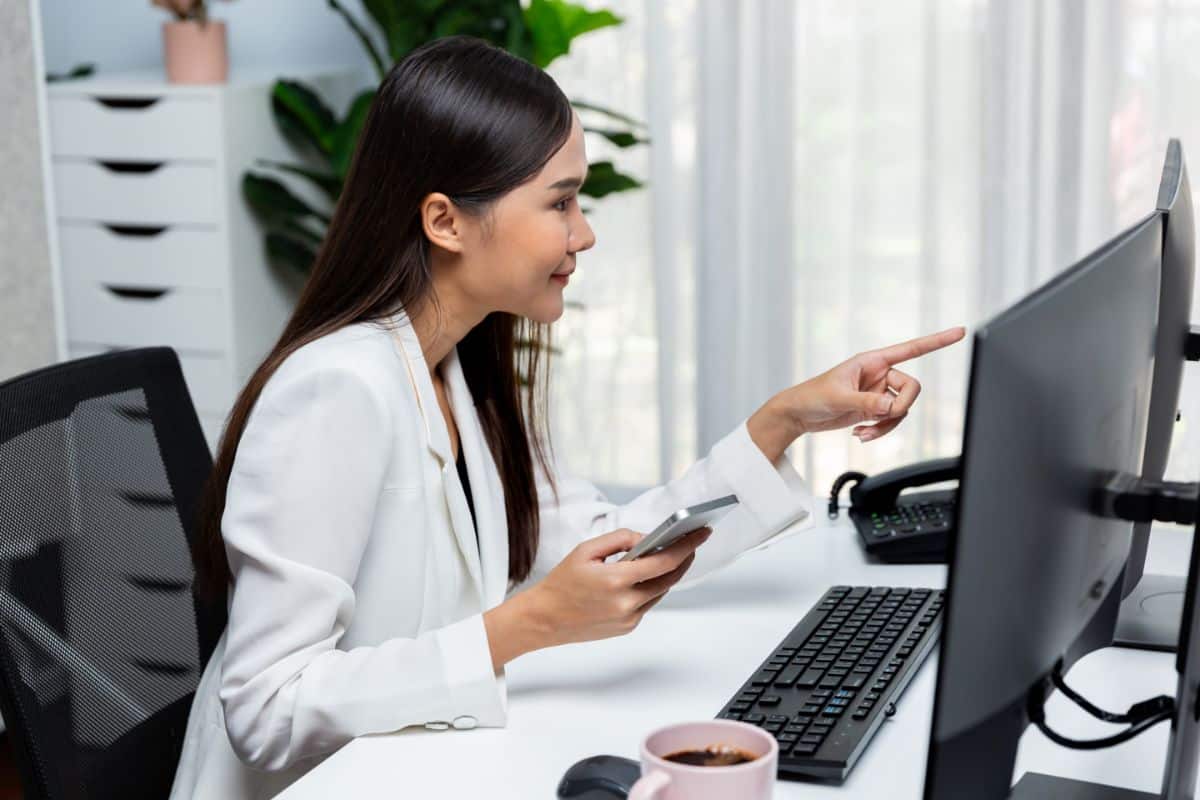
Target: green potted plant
{"x": 195, "y": 48}
{"x": 539, "y": 33}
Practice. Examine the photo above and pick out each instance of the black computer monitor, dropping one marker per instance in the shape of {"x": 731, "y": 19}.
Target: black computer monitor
{"x": 1058, "y": 401}
{"x": 1149, "y": 616}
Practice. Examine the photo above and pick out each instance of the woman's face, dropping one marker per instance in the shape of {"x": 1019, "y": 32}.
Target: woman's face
{"x": 517, "y": 258}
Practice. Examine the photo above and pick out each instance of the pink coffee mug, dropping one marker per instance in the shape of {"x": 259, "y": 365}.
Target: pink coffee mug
{"x": 667, "y": 780}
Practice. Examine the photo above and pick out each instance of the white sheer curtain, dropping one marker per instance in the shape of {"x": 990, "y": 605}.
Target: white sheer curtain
{"x": 827, "y": 177}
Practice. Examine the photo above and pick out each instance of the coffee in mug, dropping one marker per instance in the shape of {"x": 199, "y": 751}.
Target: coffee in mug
{"x": 719, "y": 755}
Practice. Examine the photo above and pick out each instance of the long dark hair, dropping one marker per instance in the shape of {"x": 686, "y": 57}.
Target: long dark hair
{"x": 468, "y": 119}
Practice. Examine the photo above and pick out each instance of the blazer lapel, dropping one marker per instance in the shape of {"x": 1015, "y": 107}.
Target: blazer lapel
{"x": 438, "y": 441}
{"x": 486, "y": 491}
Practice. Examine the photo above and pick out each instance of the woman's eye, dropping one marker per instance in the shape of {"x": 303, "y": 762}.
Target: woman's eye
{"x": 561, "y": 205}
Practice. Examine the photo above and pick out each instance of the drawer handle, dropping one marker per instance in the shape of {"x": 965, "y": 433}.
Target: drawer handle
{"x": 127, "y": 103}
{"x": 132, "y": 293}
{"x": 136, "y": 230}
{"x": 131, "y": 166}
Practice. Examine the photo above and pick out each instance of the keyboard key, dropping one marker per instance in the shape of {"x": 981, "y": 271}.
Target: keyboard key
{"x": 803, "y": 749}
{"x": 788, "y": 676}
{"x": 769, "y": 700}
{"x": 754, "y": 719}
{"x": 855, "y": 681}
{"x": 810, "y": 739}
{"x": 780, "y": 718}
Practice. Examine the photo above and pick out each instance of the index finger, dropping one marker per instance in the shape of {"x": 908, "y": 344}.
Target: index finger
{"x": 922, "y": 345}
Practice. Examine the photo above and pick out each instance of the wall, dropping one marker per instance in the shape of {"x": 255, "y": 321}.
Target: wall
{"x": 127, "y": 34}
{"x": 27, "y": 330}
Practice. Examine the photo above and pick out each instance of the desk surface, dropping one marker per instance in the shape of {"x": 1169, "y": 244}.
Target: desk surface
{"x": 688, "y": 656}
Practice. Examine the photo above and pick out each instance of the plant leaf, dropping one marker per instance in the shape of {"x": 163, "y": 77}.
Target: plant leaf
{"x": 274, "y": 201}
{"x": 299, "y": 230}
{"x": 331, "y": 185}
{"x": 554, "y": 23}
{"x": 363, "y": 38}
{"x": 289, "y": 252}
{"x": 603, "y": 178}
{"x": 77, "y": 71}
{"x": 302, "y": 114}
{"x": 404, "y": 23}
{"x": 619, "y": 138}
{"x": 608, "y": 112}
{"x": 345, "y": 138}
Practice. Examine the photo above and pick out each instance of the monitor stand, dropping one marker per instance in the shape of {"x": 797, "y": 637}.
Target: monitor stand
{"x": 1149, "y": 616}
{"x": 1035, "y": 786}
{"x": 1183, "y": 744}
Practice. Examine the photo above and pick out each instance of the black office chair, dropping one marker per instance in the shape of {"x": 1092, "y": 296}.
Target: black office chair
{"x": 102, "y": 637}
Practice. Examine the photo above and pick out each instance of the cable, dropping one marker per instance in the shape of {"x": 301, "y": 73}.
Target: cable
{"x": 1135, "y": 714}
{"x": 838, "y": 485}
{"x": 1140, "y": 716}
{"x": 1100, "y": 744}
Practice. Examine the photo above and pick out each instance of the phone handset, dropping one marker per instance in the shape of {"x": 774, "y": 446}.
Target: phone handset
{"x": 879, "y": 492}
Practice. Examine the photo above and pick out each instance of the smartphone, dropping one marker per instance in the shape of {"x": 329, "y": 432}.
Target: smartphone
{"x": 682, "y": 522}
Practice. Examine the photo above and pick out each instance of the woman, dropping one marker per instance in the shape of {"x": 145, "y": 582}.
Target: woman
{"x": 373, "y": 585}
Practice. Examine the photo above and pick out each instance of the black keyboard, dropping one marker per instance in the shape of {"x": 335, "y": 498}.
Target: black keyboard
{"x": 829, "y": 684}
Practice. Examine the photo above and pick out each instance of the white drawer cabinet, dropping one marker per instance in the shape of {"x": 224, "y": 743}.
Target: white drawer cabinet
{"x": 156, "y": 245}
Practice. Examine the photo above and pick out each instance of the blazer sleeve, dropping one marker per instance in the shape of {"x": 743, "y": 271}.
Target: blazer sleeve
{"x": 772, "y": 496}
{"x": 302, "y": 497}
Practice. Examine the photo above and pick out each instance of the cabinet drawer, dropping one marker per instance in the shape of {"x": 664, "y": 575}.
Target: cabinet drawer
{"x": 133, "y": 127}
{"x": 144, "y": 255}
{"x": 186, "y": 319}
{"x": 148, "y": 192}
{"x": 209, "y": 377}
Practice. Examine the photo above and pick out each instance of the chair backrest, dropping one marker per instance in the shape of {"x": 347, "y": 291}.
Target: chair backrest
{"x": 102, "y": 637}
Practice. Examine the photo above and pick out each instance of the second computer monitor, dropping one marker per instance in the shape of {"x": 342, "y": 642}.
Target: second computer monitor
{"x": 1058, "y": 403}
{"x": 1150, "y": 618}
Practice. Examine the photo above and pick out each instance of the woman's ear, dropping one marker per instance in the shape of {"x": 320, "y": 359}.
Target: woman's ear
{"x": 443, "y": 222}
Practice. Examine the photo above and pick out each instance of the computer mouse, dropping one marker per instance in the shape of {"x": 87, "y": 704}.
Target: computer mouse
{"x": 599, "y": 778}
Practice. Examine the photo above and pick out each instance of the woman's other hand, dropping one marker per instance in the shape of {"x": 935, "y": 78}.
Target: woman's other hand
{"x": 586, "y": 598}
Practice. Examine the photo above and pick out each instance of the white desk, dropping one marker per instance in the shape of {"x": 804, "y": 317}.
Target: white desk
{"x": 688, "y": 656}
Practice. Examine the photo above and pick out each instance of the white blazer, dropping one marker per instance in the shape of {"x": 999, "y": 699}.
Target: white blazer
{"x": 358, "y": 589}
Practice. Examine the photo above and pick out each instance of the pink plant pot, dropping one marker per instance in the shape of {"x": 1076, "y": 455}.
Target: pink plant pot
{"x": 195, "y": 54}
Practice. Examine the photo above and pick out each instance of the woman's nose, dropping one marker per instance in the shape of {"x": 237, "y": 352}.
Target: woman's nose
{"x": 583, "y": 237}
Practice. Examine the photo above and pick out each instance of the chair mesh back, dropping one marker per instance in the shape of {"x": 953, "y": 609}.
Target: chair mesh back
{"x": 102, "y": 639}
